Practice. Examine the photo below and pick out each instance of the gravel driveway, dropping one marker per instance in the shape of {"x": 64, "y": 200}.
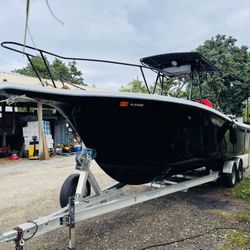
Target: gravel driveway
{"x": 29, "y": 189}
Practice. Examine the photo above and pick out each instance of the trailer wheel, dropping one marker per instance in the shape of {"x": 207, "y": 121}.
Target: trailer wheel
{"x": 230, "y": 179}
{"x": 240, "y": 171}
{"x": 68, "y": 189}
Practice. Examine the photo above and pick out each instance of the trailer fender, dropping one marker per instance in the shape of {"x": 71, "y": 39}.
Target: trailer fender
{"x": 228, "y": 166}
{"x": 239, "y": 162}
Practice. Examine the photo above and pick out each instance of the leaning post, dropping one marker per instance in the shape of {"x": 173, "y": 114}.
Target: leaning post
{"x": 40, "y": 129}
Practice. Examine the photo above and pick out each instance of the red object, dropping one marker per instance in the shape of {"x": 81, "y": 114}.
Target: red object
{"x": 124, "y": 104}
{"x": 14, "y": 157}
{"x": 205, "y": 102}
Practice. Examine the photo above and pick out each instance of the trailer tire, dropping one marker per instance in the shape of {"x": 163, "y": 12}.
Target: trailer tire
{"x": 68, "y": 189}
{"x": 230, "y": 179}
{"x": 240, "y": 171}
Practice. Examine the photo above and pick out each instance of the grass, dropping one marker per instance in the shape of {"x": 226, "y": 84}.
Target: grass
{"x": 236, "y": 240}
{"x": 243, "y": 218}
{"x": 242, "y": 189}
{"x": 227, "y": 215}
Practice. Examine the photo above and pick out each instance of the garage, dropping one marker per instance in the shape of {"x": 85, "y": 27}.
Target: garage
{"x": 19, "y": 122}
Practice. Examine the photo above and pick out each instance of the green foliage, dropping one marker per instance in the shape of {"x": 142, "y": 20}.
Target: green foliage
{"x": 59, "y": 70}
{"x": 74, "y": 73}
{"x": 170, "y": 87}
{"x": 227, "y": 91}
{"x": 232, "y": 87}
{"x": 246, "y": 112}
{"x": 243, "y": 218}
{"x": 39, "y": 65}
{"x": 135, "y": 86}
{"x": 242, "y": 189}
{"x": 236, "y": 240}
{"x": 229, "y": 216}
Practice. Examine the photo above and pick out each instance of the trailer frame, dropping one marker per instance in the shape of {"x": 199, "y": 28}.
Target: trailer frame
{"x": 103, "y": 201}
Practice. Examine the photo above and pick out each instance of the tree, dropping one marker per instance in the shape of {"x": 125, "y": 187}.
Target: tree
{"x": 75, "y": 74}
{"x": 231, "y": 88}
{"x": 39, "y": 65}
{"x": 135, "y": 86}
{"x": 59, "y": 70}
{"x": 228, "y": 90}
{"x": 171, "y": 87}
{"x": 246, "y": 112}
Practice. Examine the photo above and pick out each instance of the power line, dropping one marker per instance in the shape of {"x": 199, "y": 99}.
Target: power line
{"x": 193, "y": 237}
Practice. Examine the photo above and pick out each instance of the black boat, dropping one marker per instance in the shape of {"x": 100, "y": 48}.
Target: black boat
{"x": 144, "y": 137}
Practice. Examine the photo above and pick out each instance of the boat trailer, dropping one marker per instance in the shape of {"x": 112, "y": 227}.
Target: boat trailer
{"x": 80, "y": 208}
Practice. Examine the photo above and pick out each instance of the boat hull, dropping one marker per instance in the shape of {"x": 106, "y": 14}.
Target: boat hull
{"x": 148, "y": 140}
{"x": 145, "y": 138}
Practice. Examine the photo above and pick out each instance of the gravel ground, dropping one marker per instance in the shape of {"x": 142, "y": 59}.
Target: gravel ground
{"x": 29, "y": 189}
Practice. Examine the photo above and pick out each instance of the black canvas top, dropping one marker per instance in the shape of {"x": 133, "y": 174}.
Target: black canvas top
{"x": 196, "y": 60}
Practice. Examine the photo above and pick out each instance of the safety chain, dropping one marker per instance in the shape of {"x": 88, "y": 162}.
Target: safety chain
{"x": 19, "y": 239}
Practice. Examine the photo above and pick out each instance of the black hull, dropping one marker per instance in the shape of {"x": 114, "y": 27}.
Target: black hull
{"x": 151, "y": 139}
{"x": 139, "y": 140}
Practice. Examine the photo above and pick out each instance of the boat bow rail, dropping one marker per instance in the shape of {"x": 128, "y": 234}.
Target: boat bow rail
{"x": 184, "y": 65}
{"x": 31, "y": 52}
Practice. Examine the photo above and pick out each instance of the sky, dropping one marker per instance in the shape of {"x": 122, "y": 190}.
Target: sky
{"x": 119, "y": 30}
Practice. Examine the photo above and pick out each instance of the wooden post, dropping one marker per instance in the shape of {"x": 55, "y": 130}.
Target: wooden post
{"x": 43, "y": 147}
{"x": 3, "y": 126}
{"x": 40, "y": 129}
{"x": 13, "y": 119}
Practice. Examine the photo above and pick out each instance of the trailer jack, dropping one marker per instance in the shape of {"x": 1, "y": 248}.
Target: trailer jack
{"x": 70, "y": 222}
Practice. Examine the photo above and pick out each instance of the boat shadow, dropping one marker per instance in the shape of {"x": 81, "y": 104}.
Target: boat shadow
{"x": 210, "y": 196}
